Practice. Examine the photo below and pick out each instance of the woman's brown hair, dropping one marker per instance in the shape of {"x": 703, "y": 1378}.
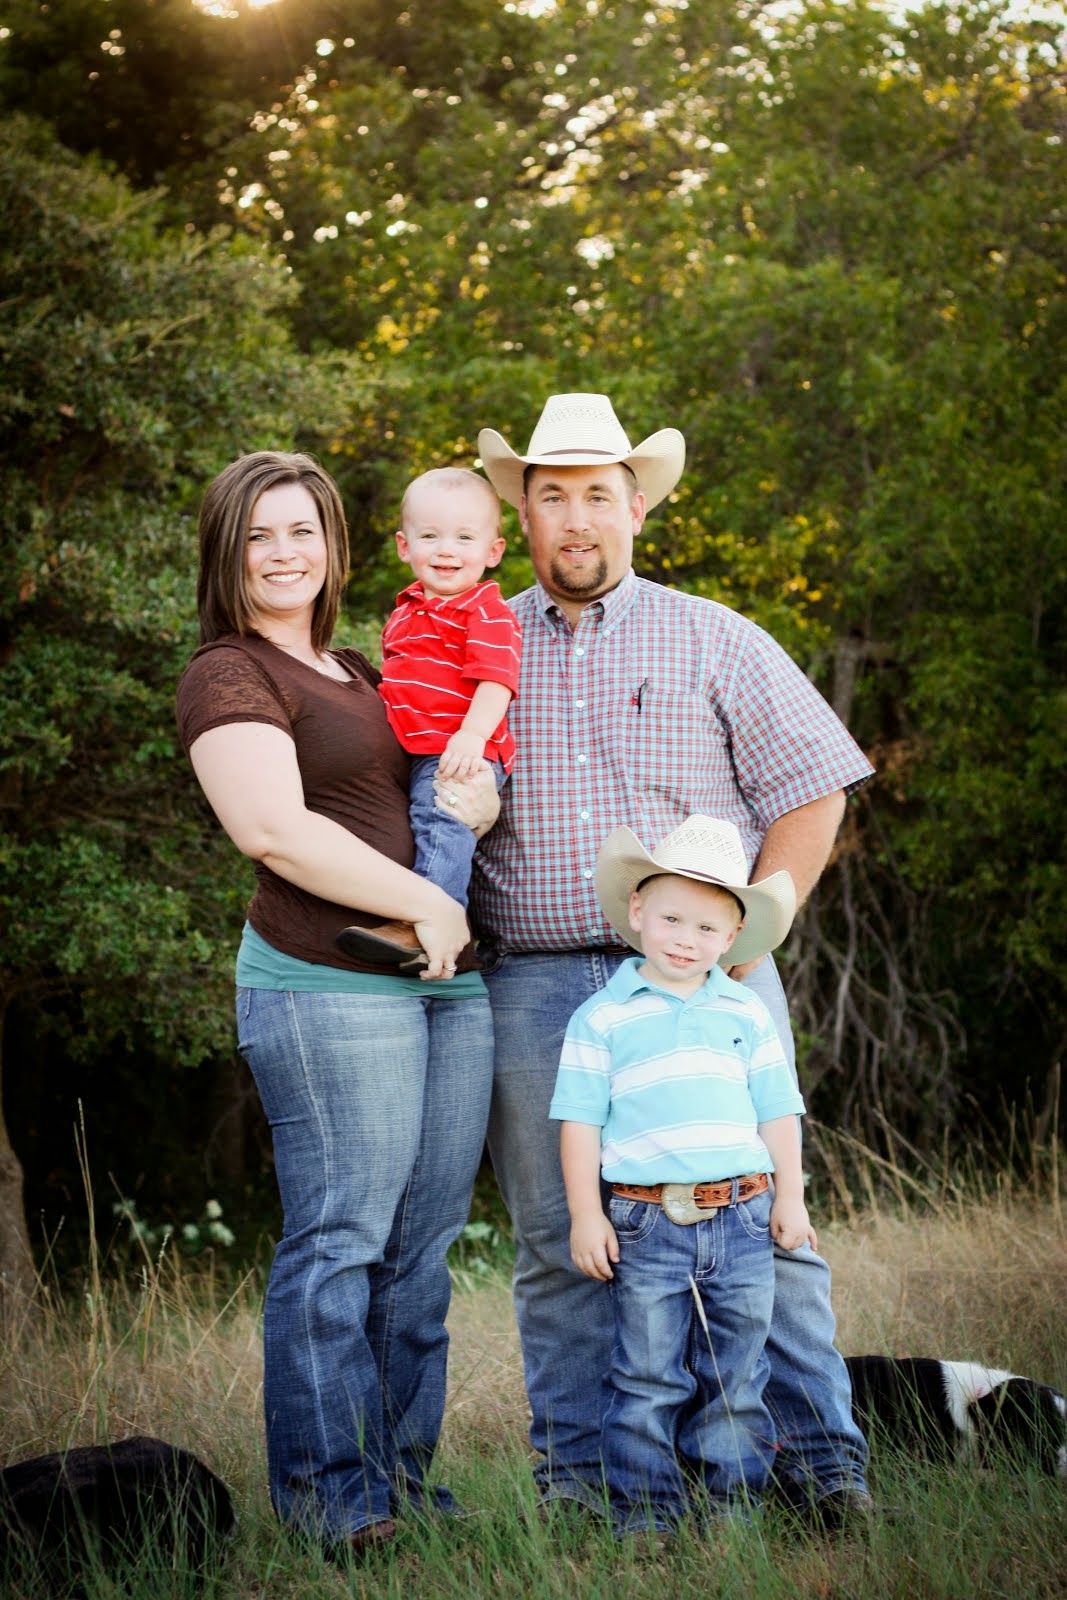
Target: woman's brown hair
{"x": 225, "y": 518}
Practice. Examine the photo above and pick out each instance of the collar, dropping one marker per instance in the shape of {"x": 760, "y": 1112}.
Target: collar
{"x": 415, "y": 594}
{"x": 627, "y": 981}
{"x": 609, "y": 608}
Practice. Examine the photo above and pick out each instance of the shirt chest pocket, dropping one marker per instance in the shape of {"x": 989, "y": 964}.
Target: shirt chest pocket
{"x": 677, "y": 749}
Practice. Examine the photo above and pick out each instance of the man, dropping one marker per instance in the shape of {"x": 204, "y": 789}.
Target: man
{"x": 637, "y": 705}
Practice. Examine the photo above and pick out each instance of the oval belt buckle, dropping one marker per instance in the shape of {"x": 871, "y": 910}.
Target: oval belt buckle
{"x": 679, "y": 1203}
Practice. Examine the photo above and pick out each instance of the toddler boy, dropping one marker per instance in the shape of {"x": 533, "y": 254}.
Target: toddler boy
{"x": 450, "y": 667}
{"x": 672, "y": 1082}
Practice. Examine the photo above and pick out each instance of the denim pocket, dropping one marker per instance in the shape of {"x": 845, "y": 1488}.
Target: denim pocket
{"x": 755, "y": 1215}
{"x": 633, "y": 1220}
{"x": 490, "y": 959}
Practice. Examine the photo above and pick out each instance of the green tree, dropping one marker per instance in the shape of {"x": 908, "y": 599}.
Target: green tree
{"x": 136, "y": 362}
{"x": 827, "y": 242}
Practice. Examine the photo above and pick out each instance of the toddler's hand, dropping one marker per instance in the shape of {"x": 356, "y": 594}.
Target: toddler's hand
{"x": 790, "y": 1227}
{"x": 594, "y": 1246}
{"x": 461, "y": 756}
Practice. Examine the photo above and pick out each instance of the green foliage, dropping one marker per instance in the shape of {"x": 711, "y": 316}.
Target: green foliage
{"x": 146, "y": 1240}
{"x": 826, "y": 241}
{"x": 137, "y": 361}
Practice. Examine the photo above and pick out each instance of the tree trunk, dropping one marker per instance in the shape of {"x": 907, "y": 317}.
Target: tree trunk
{"x": 18, "y": 1281}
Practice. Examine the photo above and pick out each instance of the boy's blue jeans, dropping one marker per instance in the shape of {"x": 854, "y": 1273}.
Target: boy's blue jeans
{"x": 444, "y": 846}
{"x": 682, "y": 1396}
{"x": 565, "y": 1318}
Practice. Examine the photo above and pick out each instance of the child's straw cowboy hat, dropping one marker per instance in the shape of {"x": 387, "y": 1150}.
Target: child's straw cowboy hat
{"x": 708, "y": 851}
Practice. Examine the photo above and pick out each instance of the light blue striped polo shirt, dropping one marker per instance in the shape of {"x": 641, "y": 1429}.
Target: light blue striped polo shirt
{"x": 677, "y": 1085}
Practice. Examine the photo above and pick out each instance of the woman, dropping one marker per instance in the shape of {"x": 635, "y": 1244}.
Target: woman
{"x": 376, "y": 1086}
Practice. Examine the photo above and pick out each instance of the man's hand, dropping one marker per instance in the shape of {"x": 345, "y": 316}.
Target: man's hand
{"x": 739, "y": 974}
{"x": 594, "y": 1247}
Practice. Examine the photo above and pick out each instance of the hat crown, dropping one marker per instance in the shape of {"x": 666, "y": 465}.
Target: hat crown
{"x": 706, "y": 846}
{"x": 575, "y": 424}
{"x": 582, "y": 430}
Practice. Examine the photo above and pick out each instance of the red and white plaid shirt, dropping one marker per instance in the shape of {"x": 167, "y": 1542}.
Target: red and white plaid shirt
{"x": 657, "y": 705}
{"x": 435, "y": 651}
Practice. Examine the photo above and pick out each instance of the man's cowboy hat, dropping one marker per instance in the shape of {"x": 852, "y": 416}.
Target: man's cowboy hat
{"x": 708, "y": 851}
{"x": 582, "y": 430}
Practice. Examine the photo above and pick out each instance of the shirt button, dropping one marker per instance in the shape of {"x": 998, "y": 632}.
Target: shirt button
{"x": 584, "y": 815}
{"x": 587, "y": 873}
{"x": 578, "y": 650}
{"x": 579, "y": 705}
{"x": 581, "y": 758}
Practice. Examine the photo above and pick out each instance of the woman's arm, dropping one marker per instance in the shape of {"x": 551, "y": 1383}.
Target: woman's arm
{"x": 249, "y": 773}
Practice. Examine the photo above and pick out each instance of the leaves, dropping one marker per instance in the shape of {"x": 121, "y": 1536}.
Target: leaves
{"x": 826, "y": 241}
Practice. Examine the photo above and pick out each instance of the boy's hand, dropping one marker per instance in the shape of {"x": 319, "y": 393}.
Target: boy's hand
{"x": 594, "y": 1245}
{"x": 461, "y": 756}
{"x": 790, "y": 1226}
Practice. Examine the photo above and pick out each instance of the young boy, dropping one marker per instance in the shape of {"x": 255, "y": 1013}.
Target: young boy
{"x": 450, "y": 667}
{"x": 672, "y": 1082}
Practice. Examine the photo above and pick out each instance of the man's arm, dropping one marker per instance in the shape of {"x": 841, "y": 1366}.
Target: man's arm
{"x": 800, "y": 841}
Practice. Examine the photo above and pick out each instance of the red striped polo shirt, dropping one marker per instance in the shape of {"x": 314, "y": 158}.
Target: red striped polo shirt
{"x": 435, "y": 652}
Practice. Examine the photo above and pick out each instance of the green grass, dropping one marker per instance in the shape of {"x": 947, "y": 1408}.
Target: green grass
{"x": 972, "y": 1268}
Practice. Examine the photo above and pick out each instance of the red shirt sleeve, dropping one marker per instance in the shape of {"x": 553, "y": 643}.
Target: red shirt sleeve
{"x": 494, "y": 640}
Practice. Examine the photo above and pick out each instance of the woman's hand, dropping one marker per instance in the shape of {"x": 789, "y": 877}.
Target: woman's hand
{"x": 443, "y": 935}
{"x": 474, "y": 799}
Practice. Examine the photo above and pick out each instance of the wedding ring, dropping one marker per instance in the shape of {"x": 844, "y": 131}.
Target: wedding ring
{"x": 451, "y": 799}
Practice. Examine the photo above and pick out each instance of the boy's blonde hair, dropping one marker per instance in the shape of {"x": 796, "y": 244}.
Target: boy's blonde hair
{"x": 715, "y": 888}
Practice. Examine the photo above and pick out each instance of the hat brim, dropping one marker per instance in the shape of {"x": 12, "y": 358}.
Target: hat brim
{"x": 657, "y": 463}
{"x": 770, "y": 905}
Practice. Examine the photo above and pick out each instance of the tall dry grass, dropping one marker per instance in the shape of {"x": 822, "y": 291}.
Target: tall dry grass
{"x": 968, "y": 1267}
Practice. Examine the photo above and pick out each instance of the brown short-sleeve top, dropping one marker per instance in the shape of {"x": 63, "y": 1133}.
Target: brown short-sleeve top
{"x": 352, "y": 768}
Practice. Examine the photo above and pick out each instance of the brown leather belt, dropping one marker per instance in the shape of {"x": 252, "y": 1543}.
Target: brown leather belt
{"x": 705, "y": 1196}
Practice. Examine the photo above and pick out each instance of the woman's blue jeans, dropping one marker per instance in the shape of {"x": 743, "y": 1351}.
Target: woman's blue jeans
{"x": 378, "y": 1108}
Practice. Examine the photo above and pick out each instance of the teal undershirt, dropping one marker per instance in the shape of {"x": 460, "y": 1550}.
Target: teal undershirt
{"x": 261, "y": 966}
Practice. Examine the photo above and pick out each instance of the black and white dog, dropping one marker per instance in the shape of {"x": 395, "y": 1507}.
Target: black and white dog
{"x": 958, "y": 1410}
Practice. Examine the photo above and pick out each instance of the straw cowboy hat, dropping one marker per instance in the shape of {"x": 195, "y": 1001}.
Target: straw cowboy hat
{"x": 708, "y": 851}
{"x": 582, "y": 430}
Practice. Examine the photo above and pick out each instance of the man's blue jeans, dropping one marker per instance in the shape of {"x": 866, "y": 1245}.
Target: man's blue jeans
{"x": 683, "y": 1392}
{"x": 378, "y": 1108}
{"x": 565, "y": 1320}
{"x": 444, "y": 846}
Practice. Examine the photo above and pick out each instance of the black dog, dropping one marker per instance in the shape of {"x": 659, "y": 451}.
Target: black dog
{"x": 957, "y": 1410}
{"x": 102, "y": 1507}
